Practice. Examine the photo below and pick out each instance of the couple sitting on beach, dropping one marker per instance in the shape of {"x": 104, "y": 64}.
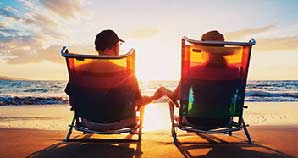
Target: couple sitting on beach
{"x": 107, "y": 43}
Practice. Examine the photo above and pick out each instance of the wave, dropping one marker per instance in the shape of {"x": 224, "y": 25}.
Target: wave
{"x": 29, "y": 100}
{"x": 271, "y": 94}
{"x": 251, "y": 96}
{"x": 36, "y": 90}
{"x": 52, "y": 92}
{"x": 267, "y": 96}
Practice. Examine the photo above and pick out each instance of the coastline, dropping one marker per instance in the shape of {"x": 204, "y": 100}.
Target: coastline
{"x": 57, "y": 117}
{"x": 38, "y": 131}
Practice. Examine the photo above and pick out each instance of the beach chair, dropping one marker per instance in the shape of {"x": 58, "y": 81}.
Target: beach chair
{"x": 212, "y": 87}
{"x": 102, "y": 94}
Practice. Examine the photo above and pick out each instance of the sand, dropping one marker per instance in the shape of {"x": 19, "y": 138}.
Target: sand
{"x": 38, "y": 131}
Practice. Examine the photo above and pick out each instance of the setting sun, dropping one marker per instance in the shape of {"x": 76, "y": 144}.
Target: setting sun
{"x": 229, "y": 66}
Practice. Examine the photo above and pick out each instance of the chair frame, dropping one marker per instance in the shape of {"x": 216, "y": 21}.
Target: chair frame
{"x": 232, "y": 126}
{"x": 76, "y": 121}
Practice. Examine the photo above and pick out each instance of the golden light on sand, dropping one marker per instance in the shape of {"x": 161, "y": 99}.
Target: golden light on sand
{"x": 156, "y": 117}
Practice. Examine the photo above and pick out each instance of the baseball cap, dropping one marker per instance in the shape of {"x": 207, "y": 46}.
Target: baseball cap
{"x": 106, "y": 39}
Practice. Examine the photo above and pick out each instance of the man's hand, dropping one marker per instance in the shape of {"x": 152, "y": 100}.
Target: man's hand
{"x": 158, "y": 94}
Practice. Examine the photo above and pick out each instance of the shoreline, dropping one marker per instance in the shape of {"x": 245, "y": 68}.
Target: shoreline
{"x": 38, "y": 131}
{"x": 57, "y": 117}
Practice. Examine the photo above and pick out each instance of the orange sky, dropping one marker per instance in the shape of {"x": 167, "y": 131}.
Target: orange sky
{"x": 33, "y": 32}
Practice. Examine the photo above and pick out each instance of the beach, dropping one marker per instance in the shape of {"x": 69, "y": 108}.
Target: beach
{"x": 110, "y": 56}
{"x": 39, "y": 130}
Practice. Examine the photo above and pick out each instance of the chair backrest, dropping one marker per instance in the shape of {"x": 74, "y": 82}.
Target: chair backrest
{"x": 213, "y": 78}
{"x": 102, "y": 87}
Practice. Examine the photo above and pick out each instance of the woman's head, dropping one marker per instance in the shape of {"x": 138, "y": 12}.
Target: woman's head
{"x": 213, "y": 35}
{"x": 215, "y": 58}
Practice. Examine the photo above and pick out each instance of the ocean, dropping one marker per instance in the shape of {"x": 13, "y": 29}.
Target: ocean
{"x": 29, "y": 92}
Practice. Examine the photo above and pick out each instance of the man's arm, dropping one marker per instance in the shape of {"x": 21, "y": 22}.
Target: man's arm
{"x": 145, "y": 100}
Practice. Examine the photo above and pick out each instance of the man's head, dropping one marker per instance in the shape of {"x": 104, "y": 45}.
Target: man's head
{"x": 107, "y": 43}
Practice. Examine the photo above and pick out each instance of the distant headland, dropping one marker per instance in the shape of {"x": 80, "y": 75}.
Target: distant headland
{"x": 11, "y": 78}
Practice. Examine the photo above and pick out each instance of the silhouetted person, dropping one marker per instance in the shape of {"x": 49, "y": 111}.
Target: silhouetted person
{"x": 115, "y": 99}
{"x": 211, "y": 89}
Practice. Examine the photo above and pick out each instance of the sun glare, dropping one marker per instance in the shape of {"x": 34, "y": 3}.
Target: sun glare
{"x": 156, "y": 117}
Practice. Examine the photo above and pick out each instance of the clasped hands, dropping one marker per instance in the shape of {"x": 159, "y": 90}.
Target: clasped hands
{"x": 162, "y": 91}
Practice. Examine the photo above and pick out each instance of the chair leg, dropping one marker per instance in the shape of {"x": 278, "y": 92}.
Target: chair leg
{"x": 140, "y": 136}
{"x": 175, "y": 139}
{"x": 171, "y": 109}
{"x": 174, "y": 134}
{"x": 230, "y": 133}
{"x": 70, "y": 130}
{"x": 246, "y": 132}
{"x": 141, "y": 123}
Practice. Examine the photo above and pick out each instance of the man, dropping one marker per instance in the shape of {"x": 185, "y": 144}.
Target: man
{"x": 107, "y": 43}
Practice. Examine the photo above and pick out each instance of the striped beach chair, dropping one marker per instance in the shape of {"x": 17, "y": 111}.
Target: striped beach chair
{"x": 101, "y": 94}
{"x": 212, "y": 87}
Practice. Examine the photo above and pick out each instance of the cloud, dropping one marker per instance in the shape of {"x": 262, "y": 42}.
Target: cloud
{"x": 39, "y": 19}
{"x": 9, "y": 31}
{"x": 64, "y": 8}
{"x": 14, "y": 45}
{"x": 3, "y": 24}
{"x": 27, "y": 49}
{"x": 51, "y": 53}
{"x": 24, "y": 49}
{"x": 34, "y": 21}
{"x": 9, "y": 12}
{"x": 267, "y": 39}
{"x": 43, "y": 24}
{"x": 29, "y": 4}
{"x": 142, "y": 33}
{"x": 277, "y": 44}
{"x": 247, "y": 32}
{"x": 33, "y": 36}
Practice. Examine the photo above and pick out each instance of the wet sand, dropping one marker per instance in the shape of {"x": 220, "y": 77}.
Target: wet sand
{"x": 38, "y": 131}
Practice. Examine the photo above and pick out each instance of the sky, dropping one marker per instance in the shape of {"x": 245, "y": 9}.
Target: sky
{"x": 32, "y": 33}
